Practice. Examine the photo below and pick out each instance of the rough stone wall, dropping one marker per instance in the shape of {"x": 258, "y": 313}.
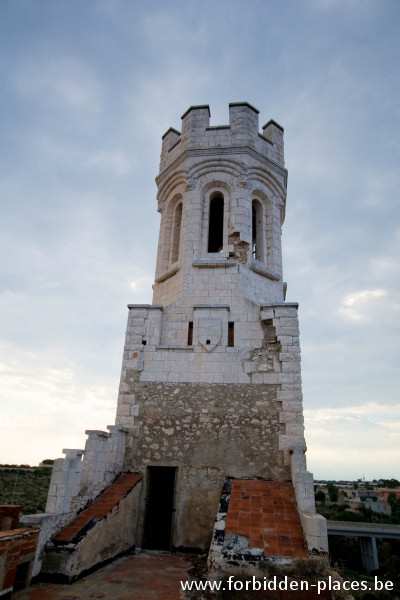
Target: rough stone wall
{"x": 207, "y": 431}
{"x": 231, "y": 428}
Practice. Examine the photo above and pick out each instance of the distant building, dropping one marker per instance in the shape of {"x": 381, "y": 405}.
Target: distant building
{"x": 378, "y": 506}
{"x": 386, "y": 491}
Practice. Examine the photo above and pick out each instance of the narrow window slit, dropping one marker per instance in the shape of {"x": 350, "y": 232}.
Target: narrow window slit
{"x": 176, "y": 233}
{"x": 231, "y": 334}
{"x": 216, "y": 224}
{"x": 190, "y": 333}
{"x": 257, "y": 228}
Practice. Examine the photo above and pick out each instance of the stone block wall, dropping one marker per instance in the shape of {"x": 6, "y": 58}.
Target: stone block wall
{"x": 242, "y": 166}
{"x": 102, "y": 539}
{"x": 76, "y": 480}
{"x": 210, "y": 409}
{"x": 314, "y": 525}
{"x": 266, "y": 351}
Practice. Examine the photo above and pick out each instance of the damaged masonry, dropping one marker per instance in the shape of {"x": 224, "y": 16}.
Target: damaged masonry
{"x": 207, "y": 452}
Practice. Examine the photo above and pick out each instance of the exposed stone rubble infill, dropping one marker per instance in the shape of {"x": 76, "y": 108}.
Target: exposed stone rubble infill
{"x": 227, "y": 548}
{"x": 257, "y": 522}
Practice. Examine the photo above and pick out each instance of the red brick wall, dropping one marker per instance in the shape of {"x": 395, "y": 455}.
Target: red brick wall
{"x": 9, "y": 515}
{"x": 17, "y": 546}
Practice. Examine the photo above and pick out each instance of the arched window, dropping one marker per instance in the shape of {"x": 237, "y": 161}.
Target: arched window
{"x": 216, "y": 224}
{"x": 257, "y": 230}
{"x": 176, "y": 233}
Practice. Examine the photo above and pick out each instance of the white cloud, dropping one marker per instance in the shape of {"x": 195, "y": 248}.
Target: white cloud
{"x": 386, "y": 267}
{"x": 379, "y": 184}
{"x": 60, "y": 83}
{"x": 116, "y": 162}
{"x": 359, "y": 306}
{"x": 48, "y": 398}
{"x": 140, "y": 284}
{"x": 373, "y": 410}
{"x": 352, "y": 441}
{"x": 393, "y": 427}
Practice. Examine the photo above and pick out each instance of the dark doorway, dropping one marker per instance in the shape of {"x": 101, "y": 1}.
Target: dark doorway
{"x": 21, "y": 577}
{"x": 159, "y": 508}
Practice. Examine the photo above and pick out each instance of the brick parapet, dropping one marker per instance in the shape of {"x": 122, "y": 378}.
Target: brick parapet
{"x": 9, "y": 515}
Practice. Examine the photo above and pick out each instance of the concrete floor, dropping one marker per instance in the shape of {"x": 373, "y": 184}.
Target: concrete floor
{"x": 146, "y": 576}
{"x": 149, "y": 575}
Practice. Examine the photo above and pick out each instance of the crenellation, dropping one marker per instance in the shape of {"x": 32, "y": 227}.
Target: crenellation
{"x": 243, "y": 120}
{"x": 242, "y": 131}
{"x": 170, "y": 139}
{"x": 273, "y": 133}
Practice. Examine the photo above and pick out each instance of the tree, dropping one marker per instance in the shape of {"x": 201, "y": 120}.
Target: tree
{"x": 320, "y": 496}
{"x": 333, "y": 492}
{"x": 394, "y": 502}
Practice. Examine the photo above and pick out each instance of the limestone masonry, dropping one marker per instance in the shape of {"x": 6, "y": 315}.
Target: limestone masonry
{"x": 210, "y": 388}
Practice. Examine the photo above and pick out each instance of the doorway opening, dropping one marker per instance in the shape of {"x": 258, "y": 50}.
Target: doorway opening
{"x": 22, "y": 576}
{"x": 159, "y": 508}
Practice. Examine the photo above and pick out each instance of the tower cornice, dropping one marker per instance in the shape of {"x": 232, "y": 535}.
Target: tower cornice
{"x": 222, "y": 151}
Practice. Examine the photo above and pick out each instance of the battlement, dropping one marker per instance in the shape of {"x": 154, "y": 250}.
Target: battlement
{"x": 242, "y": 131}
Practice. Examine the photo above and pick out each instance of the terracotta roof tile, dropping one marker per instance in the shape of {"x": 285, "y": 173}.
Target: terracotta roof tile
{"x": 266, "y": 512}
{"x": 100, "y": 507}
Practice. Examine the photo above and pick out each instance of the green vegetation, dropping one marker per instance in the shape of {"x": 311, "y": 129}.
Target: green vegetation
{"x": 395, "y": 506}
{"x": 333, "y": 492}
{"x": 25, "y": 485}
{"x": 389, "y": 483}
{"x": 345, "y": 552}
{"x": 336, "y": 512}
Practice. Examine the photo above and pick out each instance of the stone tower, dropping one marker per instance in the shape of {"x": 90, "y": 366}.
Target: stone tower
{"x": 211, "y": 384}
{"x": 209, "y": 421}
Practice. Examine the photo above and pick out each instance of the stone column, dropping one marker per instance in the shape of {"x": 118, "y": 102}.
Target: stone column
{"x": 116, "y": 452}
{"x": 369, "y": 553}
{"x": 274, "y": 235}
{"x": 94, "y": 463}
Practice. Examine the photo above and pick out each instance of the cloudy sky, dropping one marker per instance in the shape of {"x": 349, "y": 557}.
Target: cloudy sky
{"x": 87, "y": 90}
